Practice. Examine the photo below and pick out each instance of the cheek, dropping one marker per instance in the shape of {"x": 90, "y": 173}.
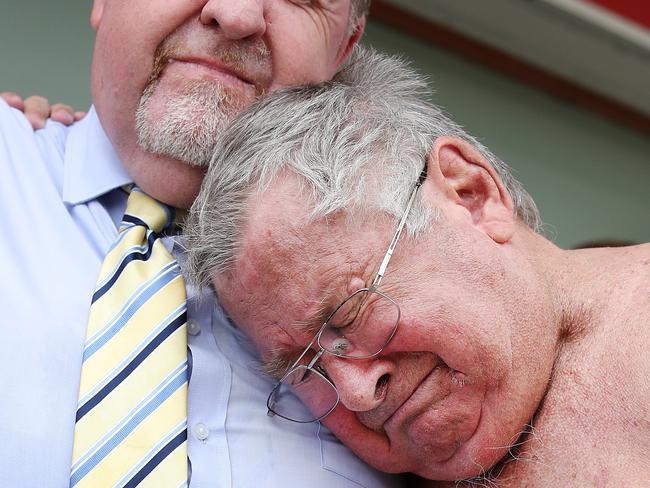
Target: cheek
{"x": 470, "y": 334}
{"x": 304, "y": 49}
{"x": 129, "y": 34}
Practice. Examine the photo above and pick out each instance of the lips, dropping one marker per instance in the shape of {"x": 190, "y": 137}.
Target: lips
{"x": 430, "y": 391}
{"x": 415, "y": 370}
{"x": 215, "y": 66}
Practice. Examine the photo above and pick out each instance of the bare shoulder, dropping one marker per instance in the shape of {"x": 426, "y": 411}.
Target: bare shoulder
{"x": 632, "y": 295}
{"x": 593, "y": 427}
{"x": 622, "y": 291}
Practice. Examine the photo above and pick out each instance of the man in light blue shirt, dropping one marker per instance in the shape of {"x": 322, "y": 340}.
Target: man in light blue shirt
{"x": 61, "y": 206}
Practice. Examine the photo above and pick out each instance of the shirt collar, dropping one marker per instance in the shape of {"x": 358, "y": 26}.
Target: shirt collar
{"x": 92, "y": 167}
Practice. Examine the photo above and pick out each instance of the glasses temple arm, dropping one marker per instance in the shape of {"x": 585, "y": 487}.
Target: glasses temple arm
{"x": 398, "y": 232}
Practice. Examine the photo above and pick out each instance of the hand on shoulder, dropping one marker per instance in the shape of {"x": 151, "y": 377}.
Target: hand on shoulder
{"x": 37, "y": 109}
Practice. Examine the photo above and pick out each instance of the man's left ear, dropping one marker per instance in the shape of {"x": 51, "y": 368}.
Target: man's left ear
{"x": 467, "y": 179}
{"x": 348, "y": 44}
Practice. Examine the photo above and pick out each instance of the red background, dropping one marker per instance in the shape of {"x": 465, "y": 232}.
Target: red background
{"x": 637, "y": 11}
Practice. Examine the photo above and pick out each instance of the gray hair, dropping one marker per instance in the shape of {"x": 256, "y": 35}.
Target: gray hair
{"x": 358, "y": 8}
{"x": 359, "y": 143}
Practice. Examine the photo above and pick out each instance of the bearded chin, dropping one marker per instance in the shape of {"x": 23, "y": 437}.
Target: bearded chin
{"x": 186, "y": 124}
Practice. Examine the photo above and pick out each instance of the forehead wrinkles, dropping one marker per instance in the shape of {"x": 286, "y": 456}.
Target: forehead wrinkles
{"x": 295, "y": 267}
{"x": 278, "y": 264}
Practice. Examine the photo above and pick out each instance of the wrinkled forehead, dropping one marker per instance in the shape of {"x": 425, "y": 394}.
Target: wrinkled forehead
{"x": 290, "y": 266}
{"x": 283, "y": 261}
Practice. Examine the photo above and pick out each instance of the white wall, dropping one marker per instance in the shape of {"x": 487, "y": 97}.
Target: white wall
{"x": 589, "y": 176}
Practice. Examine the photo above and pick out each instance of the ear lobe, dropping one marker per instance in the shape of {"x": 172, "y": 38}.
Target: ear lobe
{"x": 96, "y": 13}
{"x": 351, "y": 41}
{"x": 468, "y": 180}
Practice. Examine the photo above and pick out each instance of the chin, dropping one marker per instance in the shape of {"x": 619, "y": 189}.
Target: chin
{"x": 468, "y": 462}
{"x": 184, "y": 126}
{"x": 444, "y": 444}
{"x": 373, "y": 447}
{"x": 488, "y": 443}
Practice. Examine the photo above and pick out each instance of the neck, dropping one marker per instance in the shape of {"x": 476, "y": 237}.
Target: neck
{"x": 170, "y": 181}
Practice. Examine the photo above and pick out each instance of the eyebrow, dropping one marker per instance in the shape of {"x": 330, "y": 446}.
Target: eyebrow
{"x": 282, "y": 357}
{"x": 312, "y": 323}
{"x": 280, "y": 361}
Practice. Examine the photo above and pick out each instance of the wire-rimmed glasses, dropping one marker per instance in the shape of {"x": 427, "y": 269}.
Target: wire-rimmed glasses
{"x": 360, "y": 327}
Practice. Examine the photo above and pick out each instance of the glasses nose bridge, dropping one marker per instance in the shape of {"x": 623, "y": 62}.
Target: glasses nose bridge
{"x": 316, "y": 358}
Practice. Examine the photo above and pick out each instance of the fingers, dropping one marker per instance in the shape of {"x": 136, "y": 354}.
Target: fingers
{"x": 13, "y": 100}
{"x": 63, "y": 113}
{"x": 37, "y": 110}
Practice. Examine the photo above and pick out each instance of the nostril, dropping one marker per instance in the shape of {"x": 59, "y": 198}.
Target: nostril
{"x": 381, "y": 386}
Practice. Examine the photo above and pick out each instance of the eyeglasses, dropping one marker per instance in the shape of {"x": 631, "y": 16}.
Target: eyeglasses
{"x": 360, "y": 327}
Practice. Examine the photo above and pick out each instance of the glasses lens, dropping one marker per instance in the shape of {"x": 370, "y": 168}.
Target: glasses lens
{"x": 361, "y": 326}
{"x": 303, "y": 396}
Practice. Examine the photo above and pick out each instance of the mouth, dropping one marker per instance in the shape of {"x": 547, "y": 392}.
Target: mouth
{"x": 431, "y": 389}
{"x": 212, "y": 68}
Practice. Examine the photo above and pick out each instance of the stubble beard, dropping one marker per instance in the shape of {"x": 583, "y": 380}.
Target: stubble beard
{"x": 186, "y": 123}
{"x": 190, "y": 122}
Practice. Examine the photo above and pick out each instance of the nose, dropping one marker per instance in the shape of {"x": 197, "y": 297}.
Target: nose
{"x": 362, "y": 384}
{"x": 238, "y": 19}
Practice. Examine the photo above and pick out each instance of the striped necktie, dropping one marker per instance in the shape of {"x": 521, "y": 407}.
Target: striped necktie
{"x": 131, "y": 424}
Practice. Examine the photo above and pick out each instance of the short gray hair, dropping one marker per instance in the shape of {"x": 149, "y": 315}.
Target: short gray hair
{"x": 359, "y": 142}
{"x": 359, "y": 8}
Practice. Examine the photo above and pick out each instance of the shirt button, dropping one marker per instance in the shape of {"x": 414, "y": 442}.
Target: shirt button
{"x": 201, "y": 432}
{"x": 193, "y": 328}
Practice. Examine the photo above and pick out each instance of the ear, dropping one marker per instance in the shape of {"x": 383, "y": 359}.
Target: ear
{"x": 470, "y": 182}
{"x": 96, "y": 13}
{"x": 351, "y": 41}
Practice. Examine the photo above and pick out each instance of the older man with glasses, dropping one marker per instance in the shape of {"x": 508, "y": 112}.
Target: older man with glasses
{"x": 488, "y": 354}
{"x": 343, "y": 335}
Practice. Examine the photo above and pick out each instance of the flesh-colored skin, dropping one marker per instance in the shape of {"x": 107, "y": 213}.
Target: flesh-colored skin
{"x": 38, "y": 109}
{"x": 487, "y": 307}
{"x": 307, "y": 43}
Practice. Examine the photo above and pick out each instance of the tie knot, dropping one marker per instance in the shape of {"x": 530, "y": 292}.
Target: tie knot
{"x": 141, "y": 209}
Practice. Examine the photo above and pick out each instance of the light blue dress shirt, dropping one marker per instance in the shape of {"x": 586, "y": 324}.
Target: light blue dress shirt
{"x": 60, "y": 203}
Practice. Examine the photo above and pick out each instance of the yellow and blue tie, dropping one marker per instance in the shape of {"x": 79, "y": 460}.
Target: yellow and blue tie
{"x": 131, "y": 424}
